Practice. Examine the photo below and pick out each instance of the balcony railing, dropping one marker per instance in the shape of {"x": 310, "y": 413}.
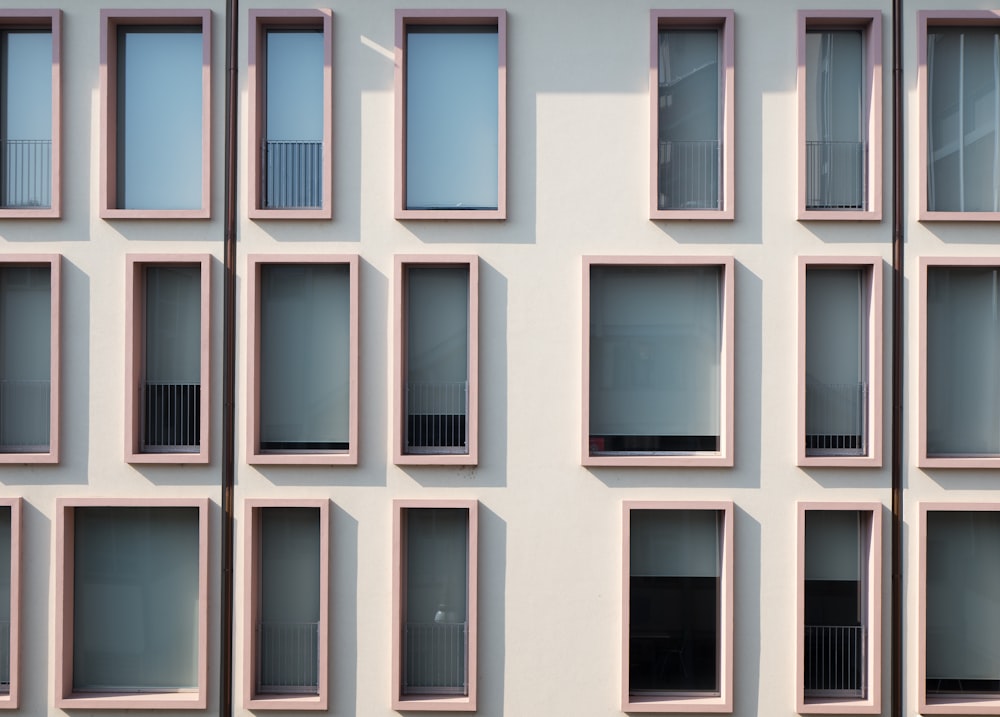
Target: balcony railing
{"x": 25, "y": 173}
{"x": 293, "y": 174}
{"x": 835, "y": 661}
{"x": 689, "y": 174}
{"x": 836, "y": 419}
{"x": 836, "y": 176}
{"x": 288, "y": 657}
{"x": 171, "y": 417}
{"x": 436, "y": 417}
{"x": 24, "y": 416}
{"x": 435, "y": 658}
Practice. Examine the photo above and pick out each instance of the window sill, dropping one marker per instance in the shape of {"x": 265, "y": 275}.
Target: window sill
{"x": 312, "y": 213}
{"x": 718, "y": 215}
{"x": 199, "y": 458}
{"x": 958, "y": 705}
{"x": 840, "y": 461}
{"x": 40, "y": 213}
{"x": 830, "y": 215}
{"x": 930, "y": 216}
{"x": 434, "y": 703}
{"x": 132, "y": 700}
{"x": 840, "y": 706}
{"x": 659, "y": 703}
{"x": 303, "y": 459}
{"x": 436, "y": 459}
{"x": 108, "y": 213}
{"x": 960, "y": 462}
{"x": 710, "y": 460}
{"x": 286, "y": 702}
{"x": 29, "y": 458}
{"x": 469, "y": 214}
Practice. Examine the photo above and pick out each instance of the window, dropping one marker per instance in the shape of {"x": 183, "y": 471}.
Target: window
{"x": 959, "y": 629}
{"x": 691, "y": 92}
{"x": 29, "y": 359}
{"x": 132, "y": 603}
{"x": 959, "y": 83}
{"x": 677, "y": 607}
{"x": 286, "y": 614}
{"x": 304, "y": 364}
{"x": 840, "y": 114}
{"x": 29, "y": 113}
{"x": 10, "y": 600}
{"x": 437, "y": 332}
{"x": 434, "y": 605}
{"x": 167, "y": 319}
{"x": 658, "y": 361}
{"x": 840, "y": 361}
{"x": 451, "y": 97}
{"x": 960, "y": 375}
{"x": 290, "y": 70}
{"x": 839, "y": 607}
{"x": 156, "y": 102}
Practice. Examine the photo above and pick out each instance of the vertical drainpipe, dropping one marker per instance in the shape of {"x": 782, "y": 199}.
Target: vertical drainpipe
{"x": 896, "y": 420}
{"x": 229, "y": 367}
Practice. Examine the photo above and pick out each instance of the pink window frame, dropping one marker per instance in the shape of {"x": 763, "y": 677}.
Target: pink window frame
{"x": 135, "y": 361}
{"x": 724, "y": 21}
{"x": 65, "y": 697}
{"x": 924, "y": 460}
{"x": 260, "y": 22}
{"x": 406, "y": 19}
{"x": 686, "y": 702}
{"x": 255, "y": 456}
{"x": 111, "y": 20}
{"x": 54, "y": 264}
{"x": 252, "y": 700}
{"x": 43, "y": 20}
{"x": 402, "y": 265}
{"x": 439, "y": 703}
{"x": 722, "y": 458}
{"x": 873, "y": 266}
{"x": 872, "y": 534}
{"x": 870, "y": 24}
{"x": 11, "y": 699}
{"x": 927, "y": 19}
{"x": 971, "y": 705}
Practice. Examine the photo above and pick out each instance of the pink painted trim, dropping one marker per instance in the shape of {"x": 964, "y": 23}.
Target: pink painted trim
{"x": 254, "y": 455}
{"x": 873, "y": 266}
{"x": 65, "y": 697}
{"x": 723, "y": 20}
{"x": 923, "y": 460}
{"x": 870, "y": 22}
{"x": 261, "y": 21}
{"x": 135, "y": 265}
{"x": 925, "y": 20}
{"x": 110, "y": 21}
{"x": 871, "y": 540}
{"x": 11, "y": 699}
{"x": 439, "y": 703}
{"x": 724, "y": 457}
{"x": 402, "y": 263}
{"x": 54, "y": 264}
{"x": 723, "y": 702}
{"x": 404, "y": 19}
{"x": 940, "y": 705}
{"x": 50, "y": 20}
{"x": 251, "y": 602}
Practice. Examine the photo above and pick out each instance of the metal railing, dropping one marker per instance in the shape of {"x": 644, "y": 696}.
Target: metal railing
{"x": 171, "y": 417}
{"x": 836, "y": 176}
{"x": 24, "y": 416}
{"x": 690, "y": 174}
{"x": 835, "y": 661}
{"x": 25, "y": 173}
{"x": 293, "y": 174}
{"x": 836, "y": 419}
{"x": 436, "y": 417}
{"x": 287, "y": 657}
{"x": 434, "y": 659}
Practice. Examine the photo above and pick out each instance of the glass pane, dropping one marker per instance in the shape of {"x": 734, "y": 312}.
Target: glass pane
{"x": 305, "y": 357}
{"x": 25, "y": 118}
{"x": 135, "y": 599}
{"x": 159, "y": 117}
{"x": 655, "y": 359}
{"x": 452, "y": 117}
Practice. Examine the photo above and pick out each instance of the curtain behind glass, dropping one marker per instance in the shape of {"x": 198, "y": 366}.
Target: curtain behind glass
{"x": 173, "y": 324}
{"x": 135, "y": 599}
{"x": 963, "y": 361}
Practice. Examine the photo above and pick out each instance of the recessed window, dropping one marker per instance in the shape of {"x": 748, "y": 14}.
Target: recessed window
{"x": 692, "y": 114}
{"x": 434, "y": 657}
{"x": 678, "y": 607}
{"x": 157, "y": 108}
{"x": 658, "y": 362}
{"x": 304, "y": 370}
{"x": 10, "y": 578}
{"x": 438, "y": 329}
{"x": 29, "y": 113}
{"x": 451, "y": 99}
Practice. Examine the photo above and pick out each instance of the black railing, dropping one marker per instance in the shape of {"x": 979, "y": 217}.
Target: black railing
{"x": 835, "y": 661}
{"x": 24, "y": 416}
{"x": 836, "y": 176}
{"x": 689, "y": 174}
{"x": 292, "y": 174}
{"x": 287, "y": 657}
{"x": 836, "y": 419}
{"x": 435, "y": 658}
{"x": 25, "y": 173}
{"x": 171, "y": 417}
{"x": 436, "y": 417}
